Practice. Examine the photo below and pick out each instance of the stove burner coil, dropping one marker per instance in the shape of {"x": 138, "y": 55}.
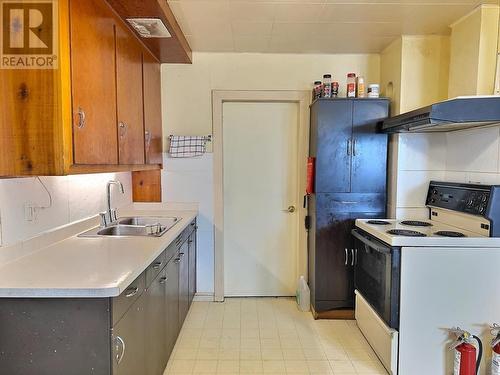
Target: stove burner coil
{"x": 406, "y": 232}
{"x": 449, "y": 233}
{"x": 416, "y": 223}
{"x": 378, "y": 222}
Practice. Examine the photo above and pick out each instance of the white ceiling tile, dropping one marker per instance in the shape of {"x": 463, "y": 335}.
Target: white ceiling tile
{"x": 298, "y": 12}
{"x": 252, "y": 11}
{"x": 251, "y": 28}
{"x": 312, "y": 26}
{"x": 252, "y": 44}
{"x": 211, "y": 43}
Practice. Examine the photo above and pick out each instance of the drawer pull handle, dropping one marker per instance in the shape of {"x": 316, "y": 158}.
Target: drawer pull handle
{"x": 181, "y": 255}
{"x": 157, "y": 265}
{"x": 163, "y": 280}
{"x": 130, "y": 292}
{"x": 177, "y": 260}
{"x": 119, "y": 356}
{"x": 190, "y": 241}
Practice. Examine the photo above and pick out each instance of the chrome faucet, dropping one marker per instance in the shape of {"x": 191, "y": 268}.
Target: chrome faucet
{"x": 110, "y": 214}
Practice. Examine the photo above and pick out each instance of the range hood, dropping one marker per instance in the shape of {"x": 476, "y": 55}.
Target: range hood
{"x": 454, "y": 114}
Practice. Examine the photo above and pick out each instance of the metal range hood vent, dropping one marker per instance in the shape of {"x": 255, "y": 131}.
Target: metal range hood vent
{"x": 149, "y": 27}
{"x": 451, "y": 115}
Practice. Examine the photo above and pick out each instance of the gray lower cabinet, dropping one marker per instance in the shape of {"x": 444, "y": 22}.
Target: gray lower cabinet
{"x": 156, "y": 318}
{"x": 183, "y": 282}
{"x": 132, "y": 334}
{"x": 129, "y": 338}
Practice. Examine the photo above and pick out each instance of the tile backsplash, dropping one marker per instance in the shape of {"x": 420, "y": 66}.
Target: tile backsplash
{"x": 73, "y": 198}
{"x": 471, "y": 156}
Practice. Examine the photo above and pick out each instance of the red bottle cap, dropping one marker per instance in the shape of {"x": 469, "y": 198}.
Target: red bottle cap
{"x": 351, "y": 75}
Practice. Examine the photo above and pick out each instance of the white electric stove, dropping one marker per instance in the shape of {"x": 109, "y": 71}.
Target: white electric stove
{"x": 415, "y": 278}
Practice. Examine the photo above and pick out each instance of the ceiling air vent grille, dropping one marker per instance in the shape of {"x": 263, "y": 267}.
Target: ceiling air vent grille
{"x": 149, "y": 27}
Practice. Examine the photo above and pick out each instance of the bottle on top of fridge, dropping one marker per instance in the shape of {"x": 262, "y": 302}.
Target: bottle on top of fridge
{"x": 351, "y": 85}
{"x": 317, "y": 90}
{"x": 361, "y": 91}
{"x": 327, "y": 86}
{"x": 335, "y": 89}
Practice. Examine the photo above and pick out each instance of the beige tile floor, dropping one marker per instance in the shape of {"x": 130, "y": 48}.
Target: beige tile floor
{"x": 268, "y": 336}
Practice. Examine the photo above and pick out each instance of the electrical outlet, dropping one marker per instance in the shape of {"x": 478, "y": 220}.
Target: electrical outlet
{"x": 29, "y": 211}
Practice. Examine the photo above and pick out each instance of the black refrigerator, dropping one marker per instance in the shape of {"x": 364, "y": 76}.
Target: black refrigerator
{"x": 350, "y": 182}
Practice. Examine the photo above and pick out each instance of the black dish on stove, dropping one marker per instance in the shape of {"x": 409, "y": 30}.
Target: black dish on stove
{"x": 449, "y": 233}
{"x": 406, "y": 232}
{"x": 378, "y": 222}
{"x": 416, "y": 223}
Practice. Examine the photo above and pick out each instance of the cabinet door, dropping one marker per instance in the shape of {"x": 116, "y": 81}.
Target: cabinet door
{"x": 331, "y": 130}
{"x": 152, "y": 109}
{"x": 183, "y": 282}
{"x": 93, "y": 83}
{"x": 172, "y": 302}
{"x": 129, "y": 97}
{"x": 333, "y": 254}
{"x": 128, "y": 341}
{"x": 155, "y": 325}
{"x": 192, "y": 266}
{"x": 369, "y": 152}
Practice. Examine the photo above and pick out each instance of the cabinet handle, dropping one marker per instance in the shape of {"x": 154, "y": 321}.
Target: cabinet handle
{"x": 346, "y": 257}
{"x": 354, "y": 147}
{"x": 130, "y": 292}
{"x": 157, "y": 265}
{"x": 352, "y": 257}
{"x": 163, "y": 280}
{"x": 123, "y": 128}
{"x": 190, "y": 241}
{"x": 81, "y": 118}
{"x": 147, "y": 137}
{"x": 177, "y": 260}
{"x": 119, "y": 356}
{"x": 349, "y": 145}
{"x": 181, "y": 255}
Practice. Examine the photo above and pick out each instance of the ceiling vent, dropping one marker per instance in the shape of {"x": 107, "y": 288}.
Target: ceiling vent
{"x": 149, "y": 27}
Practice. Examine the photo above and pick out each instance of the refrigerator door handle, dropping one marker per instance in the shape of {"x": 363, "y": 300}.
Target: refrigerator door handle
{"x": 349, "y": 147}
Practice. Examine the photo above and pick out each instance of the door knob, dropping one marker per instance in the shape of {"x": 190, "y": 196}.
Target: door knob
{"x": 290, "y": 209}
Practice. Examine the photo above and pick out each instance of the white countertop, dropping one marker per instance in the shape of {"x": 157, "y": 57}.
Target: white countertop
{"x": 79, "y": 267}
{"x": 472, "y": 240}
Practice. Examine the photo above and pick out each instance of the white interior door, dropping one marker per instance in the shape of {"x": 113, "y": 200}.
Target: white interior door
{"x": 260, "y": 184}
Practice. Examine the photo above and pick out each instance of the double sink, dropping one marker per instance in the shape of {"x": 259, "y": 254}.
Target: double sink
{"x": 145, "y": 226}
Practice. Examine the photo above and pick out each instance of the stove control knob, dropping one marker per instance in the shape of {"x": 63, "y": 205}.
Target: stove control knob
{"x": 484, "y": 198}
{"x": 481, "y": 209}
{"x": 470, "y": 202}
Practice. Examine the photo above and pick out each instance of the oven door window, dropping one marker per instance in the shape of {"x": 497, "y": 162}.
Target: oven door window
{"x": 373, "y": 277}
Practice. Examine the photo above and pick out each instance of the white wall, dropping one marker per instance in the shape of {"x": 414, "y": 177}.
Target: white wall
{"x": 187, "y": 110}
{"x": 73, "y": 198}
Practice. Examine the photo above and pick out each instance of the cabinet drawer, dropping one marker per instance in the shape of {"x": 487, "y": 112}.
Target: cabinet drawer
{"x": 154, "y": 268}
{"x": 122, "y": 303}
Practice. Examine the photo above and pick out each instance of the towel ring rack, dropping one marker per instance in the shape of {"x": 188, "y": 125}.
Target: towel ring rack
{"x": 207, "y": 138}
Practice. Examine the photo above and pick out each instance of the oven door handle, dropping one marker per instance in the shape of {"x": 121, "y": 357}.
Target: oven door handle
{"x": 373, "y": 245}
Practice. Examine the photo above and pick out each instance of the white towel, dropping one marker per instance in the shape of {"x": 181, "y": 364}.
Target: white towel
{"x": 182, "y": 146}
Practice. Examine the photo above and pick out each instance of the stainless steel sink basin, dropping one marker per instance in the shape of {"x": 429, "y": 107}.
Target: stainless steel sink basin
{"x": 143, "y": 221}
{"x": 145, "y": 226}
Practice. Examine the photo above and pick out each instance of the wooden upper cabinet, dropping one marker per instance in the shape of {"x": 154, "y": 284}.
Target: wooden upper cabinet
{"x": 152, "y": 109}
{"x": 92, "y": 28}
{"x": 129, "y": 98}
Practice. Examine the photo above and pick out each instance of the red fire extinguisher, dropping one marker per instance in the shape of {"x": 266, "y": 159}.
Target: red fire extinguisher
{"x": 495, "y": 344}
{"x": 466, "y": 361}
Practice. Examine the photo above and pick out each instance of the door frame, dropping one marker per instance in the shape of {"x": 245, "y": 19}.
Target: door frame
{"x": 219, "y": 97}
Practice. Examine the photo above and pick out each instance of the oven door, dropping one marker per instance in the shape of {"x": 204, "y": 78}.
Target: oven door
{"x": 376, "y": 275}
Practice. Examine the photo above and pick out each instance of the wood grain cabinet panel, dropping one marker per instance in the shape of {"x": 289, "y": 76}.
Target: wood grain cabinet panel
{"x": 93, "y": 82}
{"x": 152, "y": 109}
{"x": 129, "y": 101}
{"x": 66, "y": 120}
